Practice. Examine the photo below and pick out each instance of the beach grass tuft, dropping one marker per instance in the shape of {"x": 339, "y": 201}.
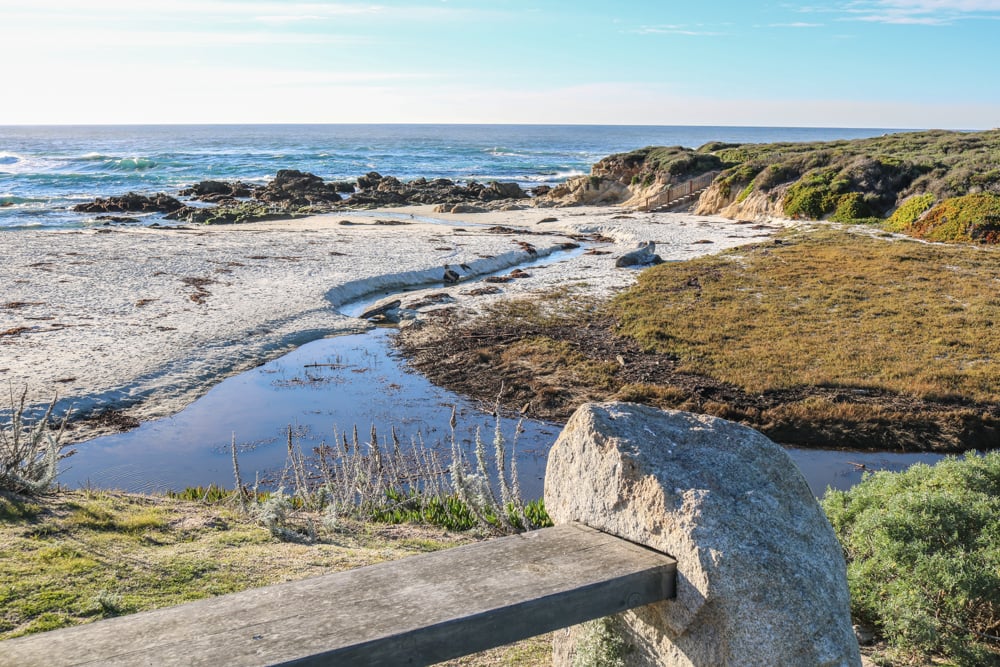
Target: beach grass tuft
{"x": 30, "y": 449}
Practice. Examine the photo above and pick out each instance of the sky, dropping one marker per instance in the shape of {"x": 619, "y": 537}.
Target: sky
{"x": 854, "y": 63}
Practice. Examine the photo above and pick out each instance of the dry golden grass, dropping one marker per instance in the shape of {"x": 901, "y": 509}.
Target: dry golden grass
{"x": 831, "y": 337}
{"x": 828, "y": 308}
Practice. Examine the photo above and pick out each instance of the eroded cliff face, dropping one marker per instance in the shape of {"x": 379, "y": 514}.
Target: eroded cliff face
{"x": 630, "y": 179}
{"x": 610, "y": 182}
{"x": 586, "y": 191}
{"x": 721, "y": 199}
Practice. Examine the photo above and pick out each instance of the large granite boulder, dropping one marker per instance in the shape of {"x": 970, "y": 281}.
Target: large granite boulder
{"x": 761, "y": 578}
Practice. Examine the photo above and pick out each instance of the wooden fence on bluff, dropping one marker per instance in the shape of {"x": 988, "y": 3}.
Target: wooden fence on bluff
{"x": 414, "y": 611}
{"x": 675, "y": 194}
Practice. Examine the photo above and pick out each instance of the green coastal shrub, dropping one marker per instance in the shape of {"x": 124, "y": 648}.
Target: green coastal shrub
{"x": 909, "y": 212}
{"x": 852, "y": 207}
{"x": 923, "y": 557}
{"x": 972, "y": 218}
{"x": 774, "y": 175}
{"x": 812, "y": 197}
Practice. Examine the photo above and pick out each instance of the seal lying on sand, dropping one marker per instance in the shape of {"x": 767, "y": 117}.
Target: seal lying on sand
{"x": 641, "y": 256}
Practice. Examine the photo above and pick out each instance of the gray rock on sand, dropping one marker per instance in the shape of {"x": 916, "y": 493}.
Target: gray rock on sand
{"x": 644, "y": 255}
{"x": 761, "y": 578}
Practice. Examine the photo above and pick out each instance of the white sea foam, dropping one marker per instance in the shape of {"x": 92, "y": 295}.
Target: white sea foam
{"x": 556, "y": 176}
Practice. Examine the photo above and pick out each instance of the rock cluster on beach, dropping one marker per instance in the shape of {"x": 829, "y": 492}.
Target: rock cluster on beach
{"x": 292, "y": 193}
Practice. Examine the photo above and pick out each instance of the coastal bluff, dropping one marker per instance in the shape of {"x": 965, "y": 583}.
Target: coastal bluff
{"x": 937, "y": 185}
{"x": 761, "y": 578}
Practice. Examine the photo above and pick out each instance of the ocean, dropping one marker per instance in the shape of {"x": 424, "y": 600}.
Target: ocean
{"x": 45, "y": 170}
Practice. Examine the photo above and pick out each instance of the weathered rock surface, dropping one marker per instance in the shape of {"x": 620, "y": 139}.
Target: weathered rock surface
{"x": 631, "y": 179}
{"x": 291, "y": 187}
{"x": 588, "y": 191}
{"x": 216, "y": 191}
{"x": 761, "y": 577}
{"x": 375, "y": 190}
{"x": 719, "y": 199}
{"x": 293, "y": 193}
{"x": 644, "y": 255}
{"x": 131, "y": 202}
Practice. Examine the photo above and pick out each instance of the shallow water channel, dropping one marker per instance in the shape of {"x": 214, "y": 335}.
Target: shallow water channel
{"x": 335, "y": 384}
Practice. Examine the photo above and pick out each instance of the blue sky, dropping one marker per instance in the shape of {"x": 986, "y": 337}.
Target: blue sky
{"x": 863, "y": 63}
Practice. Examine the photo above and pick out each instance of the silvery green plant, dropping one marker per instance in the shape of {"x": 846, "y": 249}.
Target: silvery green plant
{"x": 600, "y": 644}
{"x": 30, "y": 450}
{"x": 355, "y": 479}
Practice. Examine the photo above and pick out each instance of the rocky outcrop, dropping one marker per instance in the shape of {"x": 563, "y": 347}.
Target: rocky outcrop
{"x": 291, "y": 187}
{"x": 587, "y": 191}
{"x": 761, "y": 578}
{"x": 131, "y": 202}
{"x": 292, "y": 193}
{"x": 632, "y": 179}
{"x": 219, "y": 191}
{"x": 720, "y": 199}
{"x": 375, "y": 190}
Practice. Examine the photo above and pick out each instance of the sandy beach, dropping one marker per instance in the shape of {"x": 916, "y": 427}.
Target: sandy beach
{"x": 142, "y": 320}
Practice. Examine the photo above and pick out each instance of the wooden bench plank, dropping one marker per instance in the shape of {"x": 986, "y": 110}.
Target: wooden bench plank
{"x": 415, "y": 611}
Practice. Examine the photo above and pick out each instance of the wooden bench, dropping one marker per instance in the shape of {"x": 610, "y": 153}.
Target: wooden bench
{"x": 415, "y": 611}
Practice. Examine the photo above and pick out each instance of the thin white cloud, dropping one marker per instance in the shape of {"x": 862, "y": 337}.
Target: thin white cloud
{"x": 691, "y": 31}
{"x": 67, "y": 39}
{"x": 287, "y": 19}
{"x": 236, "y": 11}
{"x": 917, "y": 12}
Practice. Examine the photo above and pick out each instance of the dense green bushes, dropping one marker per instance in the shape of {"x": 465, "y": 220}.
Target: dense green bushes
{"x": 974, "y": 217}
{"x": 923, "y": 557}
{"x": 848, "y": 181}
{"x": 909, "y": 212}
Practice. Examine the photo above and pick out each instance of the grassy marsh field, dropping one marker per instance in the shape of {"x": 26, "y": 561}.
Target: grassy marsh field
{"x": 830, "y": 336}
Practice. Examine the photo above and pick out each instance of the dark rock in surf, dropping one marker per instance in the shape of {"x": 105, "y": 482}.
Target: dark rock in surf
{"x": 292, "y": 187}
{"x": 216, "y": 191}
{"x": 131, "y": 202}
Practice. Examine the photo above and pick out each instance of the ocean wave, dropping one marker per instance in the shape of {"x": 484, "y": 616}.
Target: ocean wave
{"x": 500, "y": 151}
{"x": 133, "y": 163}
{"x": 99, "y": 161}
{"x": 10, "y": 199}
{"x": 551, "y": 176}
{"x": 9, "y": 158}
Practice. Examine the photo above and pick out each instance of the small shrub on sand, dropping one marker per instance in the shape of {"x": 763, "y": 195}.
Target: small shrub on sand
{"x": 29, "y": 450}
{"x": 923, "y": 557}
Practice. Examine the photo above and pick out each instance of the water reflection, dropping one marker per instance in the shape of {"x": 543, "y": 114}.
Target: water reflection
{"x": 337, "y": 383}
{"x": 328, "y": 384}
